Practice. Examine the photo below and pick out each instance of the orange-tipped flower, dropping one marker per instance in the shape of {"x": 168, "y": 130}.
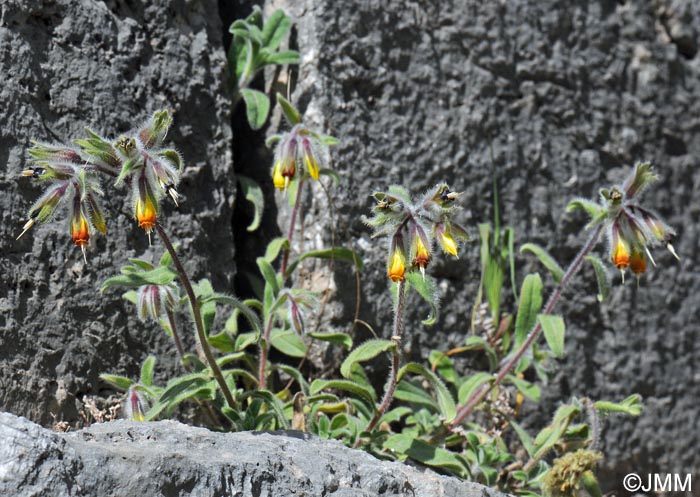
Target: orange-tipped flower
{"x": 146, "y": 213}
{"x": 80, "y": 228}
{"x": 638, "y": 262}
{"x": 421, "y": 256}
{"x": 621, "y": 254}
{"x": 397, "y": 266}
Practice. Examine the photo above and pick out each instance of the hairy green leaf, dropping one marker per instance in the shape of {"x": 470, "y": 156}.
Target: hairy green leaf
{"x": 338, "y": 338}
{"x": 602, "y": 276}
{"x": 427, "y": 289}
{"x": 546, "y": 259}
{"x": 632, "y": 405}
{"x": 364, "y": 352}
{"x": 161, "y": 275}
{"x": 364, "y": 393}
{"x": 554, "y": 330}
{"x": 406, "y": 445}
{"x": 290, "y": 112}
{"x": 147, "y": 371}
{"x": 119, "y": 382}
{"x": 276, "y": 29}
{"x": 288, "y": 342}
{"x": 445, "y": 401}
{"x": 530, "y": 305}
{"x": 253, "y": 194}
{"x": 257, "y": 107}
{"x": 335, "y": 253}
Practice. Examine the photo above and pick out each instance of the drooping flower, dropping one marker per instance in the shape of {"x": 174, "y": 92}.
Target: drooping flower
{"x": 396, "y": 267}
{"x": 417, "y": 224}
{"x": 154, "y": 301}
{"x": 630, "y": 228}
{"x": 135, "y": 404}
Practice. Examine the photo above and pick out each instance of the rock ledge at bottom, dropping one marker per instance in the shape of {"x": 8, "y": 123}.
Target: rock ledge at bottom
{"x": 167, "y": 459}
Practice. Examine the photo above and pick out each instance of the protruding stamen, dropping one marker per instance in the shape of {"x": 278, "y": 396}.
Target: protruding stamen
{"x": 672, "y": 250}
{"x": 26, "y": 227}
{"x": 82, "y": 247}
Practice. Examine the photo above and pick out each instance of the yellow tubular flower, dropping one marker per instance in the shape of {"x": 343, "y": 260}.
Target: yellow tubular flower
{"x": 81, "y": 231}
{"x": 448, "y": 243}
{"x": 310, "y": 160}
{"x": 638, "y": 262}
{"x": 621, "y": 254}
{"x": 397, "y": 268}
{"x": 277, "y": 178}
{"x": 146, "y": 213}
{"x": 422, "y": 257}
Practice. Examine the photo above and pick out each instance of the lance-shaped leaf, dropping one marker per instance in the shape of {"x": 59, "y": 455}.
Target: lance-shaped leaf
{"x": 119, "y": 382}
{"x": 546, "y": 259}
{"x": 338, "y": 338}
{"x": 276, "y": 29}
{"x": 602, "y": 276}
{"x": 445, "y": 401}
{"x": 597, "y": 212}
{"x": 344, "y": 385}
{"x": 530, "y": 305}
{"x": 159, "y": 276}
{"x": 335, "y": 253}
{"x": 253, "y": 194}
{"x": 147, "y": 371}
{"x": 632, "y": 405}
{"x": 554, "y": 330}
{"x": 364, "y": 352}
{"x": 290, "y": 113}
{"x": 427, "y": 289}
{"x": 406, "y": 445}
{"x": 288, "y": 342}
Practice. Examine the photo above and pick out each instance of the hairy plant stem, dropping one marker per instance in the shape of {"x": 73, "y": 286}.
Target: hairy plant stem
{"x": 264, "y": 348}
{"x": 396, "y": 360}
{"x": 216, "y": 371}
{"x": 176, "y": 338}
{"x": 292, "y": 223}
{"x": 478, "y": 396}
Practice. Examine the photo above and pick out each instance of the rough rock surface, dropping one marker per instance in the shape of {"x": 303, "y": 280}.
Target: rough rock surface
{"x": 108, "y": 65}
{"x": 557, "y": 99}
{"x": 169, "y": 459}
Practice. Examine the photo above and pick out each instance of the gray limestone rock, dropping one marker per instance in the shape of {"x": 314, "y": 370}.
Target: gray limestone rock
{"x": 169, "y": 459}
{"x": 67, "y": 64}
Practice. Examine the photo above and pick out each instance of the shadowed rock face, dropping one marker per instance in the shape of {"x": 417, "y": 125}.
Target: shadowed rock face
{"x": 168, "y": 459}
{"x": 107, "y": 65}
{"x": 557, "y": 99}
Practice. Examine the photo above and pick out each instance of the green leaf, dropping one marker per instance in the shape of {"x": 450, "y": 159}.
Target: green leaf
{"x": 331, "y": 174}
{"x": 147, "y": 371}
{"x": 530, "y": 305}
{"x": 222, "y": 341}
{"x": 281, "y": 58}
{"x": 364, "y": 393}
{"x": 245, "y": 340}
{"x": 364, "y": 352}
{"x": 239, "y": 306}
{"x": 554, "y": 330}
{"x": 597, "y": 212}
{"x": 338, "y": 338}
{"x": 442, "y": 363}
{"x": 549, "y": 436}
{"x": 269, "y": 274}
{"x": 119, "y": 382}
{"x": 288, "y": 342}
{"x": 274, "y": 247}
{"x": 529, "y": 390}
{"x": 272, "y": 402}
{"x": 190, "y": 386}
{"x": 257, "y": 107}
{"x": 159, "y": 276}
{"x": 525, "y": 439}
{"x": 335, "y": 253}
{"x": 406, "y": 445}
{"x": 427, "y": 289}
{"x": 276, "y": 29}
{"x": 602, "y": 277}
{"x": 290, "y": 113}
{"x": 296, "y": 374}
{"x": 471, "y": 385}
{"x": 141, "y": 264}
{"x": 445, "y": 401}
{"x": 253, "y": 194}
{"x": 632, "y": 405}
{"x": 408, "y": 392}
{"x": 546, "y": 259}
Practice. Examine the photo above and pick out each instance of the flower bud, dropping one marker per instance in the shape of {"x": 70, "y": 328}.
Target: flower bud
{"x": 134, "y": 405}
{"x": 638, "y": 262}
{"x": 447, "y": 241}
{"x": 421, "y": 253}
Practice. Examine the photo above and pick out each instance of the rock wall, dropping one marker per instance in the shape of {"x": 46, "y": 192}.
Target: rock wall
{"x": 169, "y": 459}
{"x": 108, "y": 65}
{"x": 557, "y": 99}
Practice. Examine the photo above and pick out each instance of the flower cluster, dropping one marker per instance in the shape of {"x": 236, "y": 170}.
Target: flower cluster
{"x": 630, "y": 228}
{"x": 73, "y": 174}
{"x": 412, "y": 227}
{"x": 298, "y": 152}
